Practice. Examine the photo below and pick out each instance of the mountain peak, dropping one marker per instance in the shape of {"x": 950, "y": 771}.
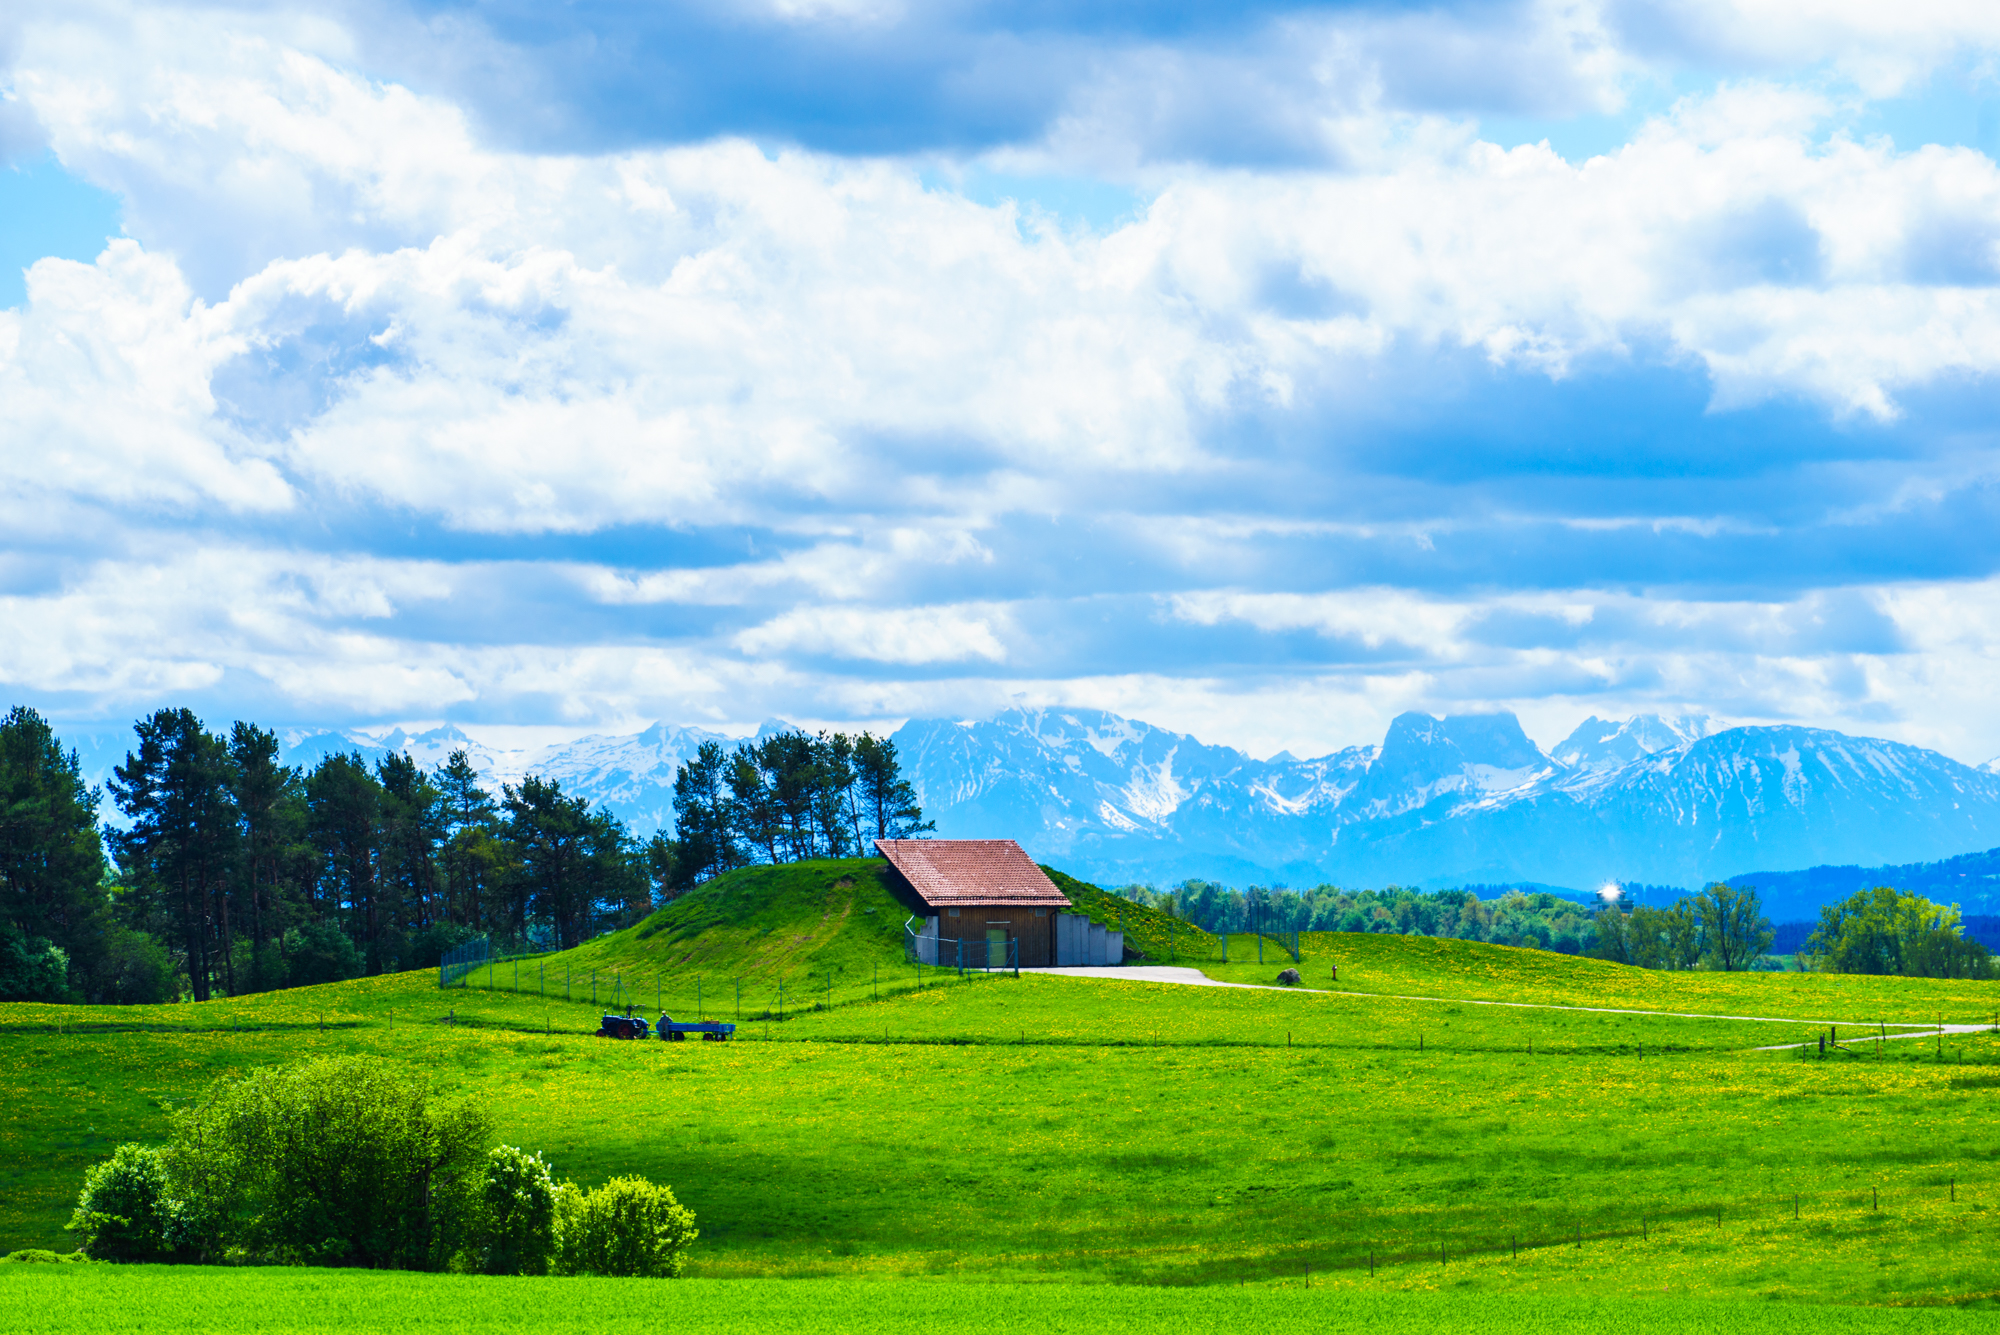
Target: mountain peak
{"x": 1607, "y": 744}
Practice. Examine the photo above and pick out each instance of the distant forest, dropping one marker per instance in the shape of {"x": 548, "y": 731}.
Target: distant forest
{"x": 232, "y": 873}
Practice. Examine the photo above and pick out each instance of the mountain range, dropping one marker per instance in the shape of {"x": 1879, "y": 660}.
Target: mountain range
{"x": 1464, "y": 799}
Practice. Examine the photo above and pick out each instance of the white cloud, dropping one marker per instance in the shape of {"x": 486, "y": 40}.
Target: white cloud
{"x": 348, "y": 313}
{"x": 912, "y": 635}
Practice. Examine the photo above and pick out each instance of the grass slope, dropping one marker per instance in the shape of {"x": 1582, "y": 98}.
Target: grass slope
{"x": 823, "y": 929}
{"x": 99, "y": 1299}
{"x": 1158, "y": 936}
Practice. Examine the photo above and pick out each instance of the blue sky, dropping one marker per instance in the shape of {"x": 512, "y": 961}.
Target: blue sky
{"x": 1258, "y": 371}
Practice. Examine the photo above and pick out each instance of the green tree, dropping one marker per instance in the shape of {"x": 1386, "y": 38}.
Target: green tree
{"x": 705, "y": 839}
{"x": 475, "y": 860}
{"x": 1884, "y": 931}
{"x": 1734, "y": 930}
{"x": 888, "y": 803}
{"x": 177, "y": 854}
{"x": 271, "y": 810}
{"x": 51, "y": 857}
{"x": 1614, "y": 938}
{"x": 131, "y": 969}
{"x": 344, "y": 822}
{"x": 414, "y": 830}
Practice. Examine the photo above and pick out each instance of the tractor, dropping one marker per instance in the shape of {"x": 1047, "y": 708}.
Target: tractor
{"x": 622, "y": 1026}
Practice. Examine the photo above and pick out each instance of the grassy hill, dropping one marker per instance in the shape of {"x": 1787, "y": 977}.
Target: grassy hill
{"x": 811, "y": 926}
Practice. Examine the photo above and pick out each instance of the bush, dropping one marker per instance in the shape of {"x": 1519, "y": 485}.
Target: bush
{"x": 320, "y": 952}
{"x": 517, "y": 1224}
{"x": 124, "y": 1210}
{"x": 134, "y": 970}
{"x": 31, "y": 969}
{"x": 335, "y": 1161}
{"x": 628, "y": 1227}
{"x": 40, "y": 1256}
{"x": 425, "y": 948}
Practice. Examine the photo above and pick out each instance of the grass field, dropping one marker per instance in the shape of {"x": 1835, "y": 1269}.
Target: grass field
{"x": 51, "y": 1300}
{"x": 1055, "y": 1129}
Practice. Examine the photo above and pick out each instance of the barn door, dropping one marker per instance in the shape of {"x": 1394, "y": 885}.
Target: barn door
{"x": 996, "y": 947}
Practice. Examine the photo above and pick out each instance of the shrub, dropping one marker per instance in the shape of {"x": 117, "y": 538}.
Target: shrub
{"x": 517, "y": 1224}
{"x": 334, "y": 1161}
{"x": 31, "y": 969}
{"x": 628, "y": 1227}
{"x": 40, "y": 1256}
{"x": 123, "y": 1212}
{"x": 320, "y": 952}
{"x": 133, "y": 970}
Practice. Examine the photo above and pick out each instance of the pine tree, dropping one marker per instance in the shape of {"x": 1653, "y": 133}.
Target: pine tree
{"x": 176, "y": 857}
{"x": 271, "y": 810}
{"x": 51, "y": 861}
{"x": 888, "y": 802}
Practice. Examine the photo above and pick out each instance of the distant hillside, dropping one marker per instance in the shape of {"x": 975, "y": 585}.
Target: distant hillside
{"x": 1971, "y": 881}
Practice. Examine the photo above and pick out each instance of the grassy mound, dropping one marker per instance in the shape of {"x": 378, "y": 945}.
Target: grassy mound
{"x": 1160, "y": 937}
{"x": 837, "y": 922}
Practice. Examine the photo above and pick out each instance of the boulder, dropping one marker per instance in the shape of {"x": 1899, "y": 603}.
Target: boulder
{"x": 1289, "y": 976}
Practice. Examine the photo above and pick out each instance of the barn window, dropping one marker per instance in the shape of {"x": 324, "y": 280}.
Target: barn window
{"x": 952, "y": 912}
{"x": 1041, "y": 913}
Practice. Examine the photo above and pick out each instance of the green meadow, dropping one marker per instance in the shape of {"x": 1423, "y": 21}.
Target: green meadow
{"x": 1392, "y": 1142}
{"x": 105, "y": 1300}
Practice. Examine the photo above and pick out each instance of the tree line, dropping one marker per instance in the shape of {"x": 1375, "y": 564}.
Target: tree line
{"x": 1508, "y": 916}
{"x": 232, "y": 872}
{"x": 1880, "y": 931}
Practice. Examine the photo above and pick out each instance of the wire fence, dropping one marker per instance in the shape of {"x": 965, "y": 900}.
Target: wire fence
{"x": 1230, "y": 948}
{"x": 993, "y": 953}
{"x": 700, "y": 996}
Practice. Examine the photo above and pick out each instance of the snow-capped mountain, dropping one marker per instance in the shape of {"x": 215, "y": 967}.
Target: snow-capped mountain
{"x": 1466, "y": 798}
{"x": 1463, "y": 799}
{"x": 1598, "y": 744}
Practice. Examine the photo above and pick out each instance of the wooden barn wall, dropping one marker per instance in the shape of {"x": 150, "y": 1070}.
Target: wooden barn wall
{"x": 1036, "y": 935}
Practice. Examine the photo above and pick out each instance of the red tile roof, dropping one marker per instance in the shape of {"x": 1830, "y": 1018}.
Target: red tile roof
{"x": 971, "y": 871}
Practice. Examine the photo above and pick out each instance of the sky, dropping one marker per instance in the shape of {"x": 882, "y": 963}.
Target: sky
{"x": 1261, "y": 371}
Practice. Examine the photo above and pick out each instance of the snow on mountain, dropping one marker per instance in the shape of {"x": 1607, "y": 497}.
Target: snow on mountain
{"x": 1442, "y": 801}
{"x": 1466, "y": 798}
{"x": 1598, "y": 745}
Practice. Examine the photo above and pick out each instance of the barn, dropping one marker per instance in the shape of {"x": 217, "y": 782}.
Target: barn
{"x": 987, "y": 905}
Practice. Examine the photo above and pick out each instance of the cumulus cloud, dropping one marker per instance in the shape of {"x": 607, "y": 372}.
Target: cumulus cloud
{"x": 383, "y": 411}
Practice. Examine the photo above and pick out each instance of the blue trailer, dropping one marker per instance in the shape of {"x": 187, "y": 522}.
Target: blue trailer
{"x": 711, "y": 1031}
